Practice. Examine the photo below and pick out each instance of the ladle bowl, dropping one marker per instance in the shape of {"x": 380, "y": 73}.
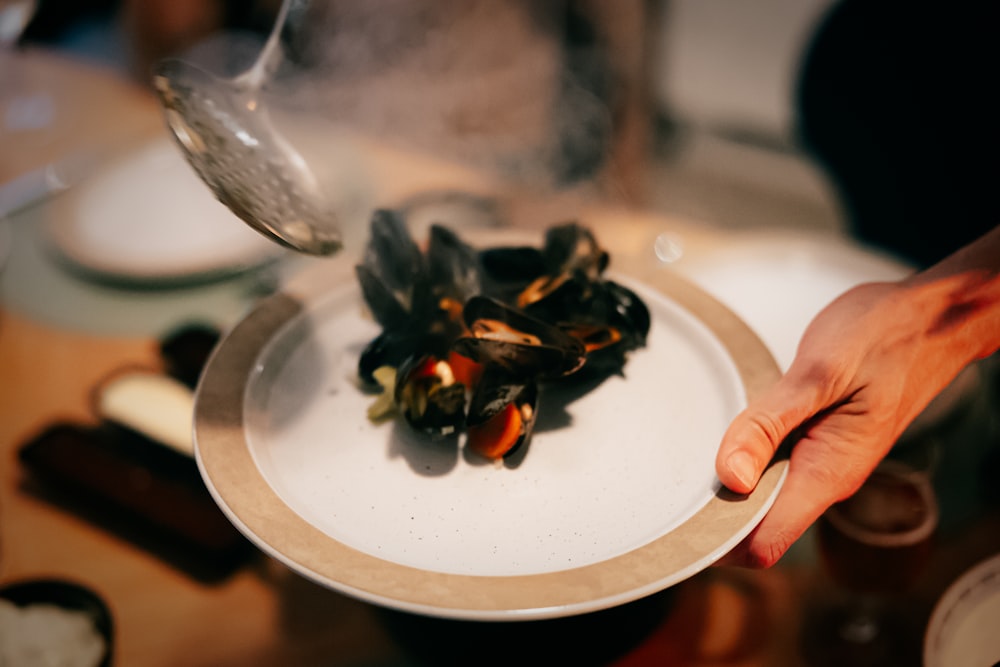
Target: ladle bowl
{"x": 224, "y": 130}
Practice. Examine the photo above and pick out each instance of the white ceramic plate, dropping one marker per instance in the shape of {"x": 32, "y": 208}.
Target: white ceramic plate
{"x": 146, "y": 217}
{"x": 615, "y": 498}
{"x": 963, "y": 626}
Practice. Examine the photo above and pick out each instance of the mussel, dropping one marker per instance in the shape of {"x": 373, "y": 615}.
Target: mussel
{"x": 416, "y": 297}
{"x": 608, "y": 318}
{"x": 516, "y": 351}
{"x": 572, "y": 247}
{"x": 507, "y": 270}
{"x": 469, "y": 335}
{"x": 453, "y": 269}
{"x": 393, "y": 273}
{"x": 392, "y": 347}
{"x": 501, "y": 413}
{"x": 615, "y": 323}
{"x": 524, "y": 346}
{"x": 429, "y": 395}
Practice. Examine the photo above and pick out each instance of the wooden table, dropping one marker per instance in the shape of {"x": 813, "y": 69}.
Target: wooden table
{"x": 265, "y": 615}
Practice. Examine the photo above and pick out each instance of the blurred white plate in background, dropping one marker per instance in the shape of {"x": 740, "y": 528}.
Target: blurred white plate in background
{"x": 963, "y": 627}
{"x": 147, "y": 217}
{"x": 777, "y": 282}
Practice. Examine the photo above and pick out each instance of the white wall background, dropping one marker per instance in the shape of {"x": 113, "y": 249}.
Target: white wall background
{"x": 732, "y": 64}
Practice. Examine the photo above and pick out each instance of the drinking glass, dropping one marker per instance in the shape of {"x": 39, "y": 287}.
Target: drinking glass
{"x": 874, "y": 545}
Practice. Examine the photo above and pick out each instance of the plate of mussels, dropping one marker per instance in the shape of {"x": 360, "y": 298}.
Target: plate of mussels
{"x": 483, "y": 425}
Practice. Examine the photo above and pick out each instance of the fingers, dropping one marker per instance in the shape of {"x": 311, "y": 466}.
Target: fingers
{"x": 755, "y": 434}
{"x": 811, "y": 485}
{"x": 797, "y": 507}
{"x": 828, "y": 464}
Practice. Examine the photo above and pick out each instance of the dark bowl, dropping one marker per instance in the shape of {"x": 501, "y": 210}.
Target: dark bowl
{"x": 66, "y": 595}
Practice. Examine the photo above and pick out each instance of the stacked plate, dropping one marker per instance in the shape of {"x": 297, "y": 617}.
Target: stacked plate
{"x": 146, "y": 217}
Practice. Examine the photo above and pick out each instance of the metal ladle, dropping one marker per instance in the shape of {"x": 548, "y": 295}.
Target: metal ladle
{"x": 225, "y": 132}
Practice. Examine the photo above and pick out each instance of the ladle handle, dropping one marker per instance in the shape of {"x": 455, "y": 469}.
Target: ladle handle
{"x": 272, "y": 54}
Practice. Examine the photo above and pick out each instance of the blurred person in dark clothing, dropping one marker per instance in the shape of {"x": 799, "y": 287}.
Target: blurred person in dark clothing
{"x": 896, "y": 103}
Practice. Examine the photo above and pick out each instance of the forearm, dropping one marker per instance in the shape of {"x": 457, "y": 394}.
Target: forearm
{"x": 962, "y": 295}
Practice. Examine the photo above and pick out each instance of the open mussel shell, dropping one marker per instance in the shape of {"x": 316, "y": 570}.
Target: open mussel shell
{"x": 615, "y": 323}
{"x": 608, "y": 318}
{"x": 567, "y": 248}
{"x": 563, "y": 297}
{"x": 627, "y": 312}
{"x": 607, "y": 350}
{"x": 392, "y": 347}
{"x": 573, "y": 247}
{"x": 613, "y": 305}
{"x": 502, "y": 413}
{"x": 516, "y": 342}
{"x": 429, "y": 396}
{"x": 574, "y": 298}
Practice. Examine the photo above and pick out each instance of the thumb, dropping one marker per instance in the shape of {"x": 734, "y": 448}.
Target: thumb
{"x": 752, "y": 438}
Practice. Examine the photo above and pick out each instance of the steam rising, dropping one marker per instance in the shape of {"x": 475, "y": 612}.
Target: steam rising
{"x": 518, "y": 87}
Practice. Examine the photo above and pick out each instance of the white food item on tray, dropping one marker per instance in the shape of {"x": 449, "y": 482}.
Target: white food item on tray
{"x": 155, "y": 405}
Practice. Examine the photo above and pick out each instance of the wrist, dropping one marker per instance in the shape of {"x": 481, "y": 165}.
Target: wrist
{"x": 960, "y": 309}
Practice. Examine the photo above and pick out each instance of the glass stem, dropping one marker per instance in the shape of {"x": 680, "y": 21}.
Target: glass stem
{"x": 862, "y": 626}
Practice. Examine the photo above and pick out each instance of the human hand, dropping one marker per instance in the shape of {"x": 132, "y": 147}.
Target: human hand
{"x": 866, "y": 366}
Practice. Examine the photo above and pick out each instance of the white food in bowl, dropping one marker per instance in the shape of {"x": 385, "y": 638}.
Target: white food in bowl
{"x": 45, "y": 634}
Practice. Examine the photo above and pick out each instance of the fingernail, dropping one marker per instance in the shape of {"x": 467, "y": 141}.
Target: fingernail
{"x": 742, "y": 466}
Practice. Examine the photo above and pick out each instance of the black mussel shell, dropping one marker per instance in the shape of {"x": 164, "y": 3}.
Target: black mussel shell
{"x": 394, "y": 346}
{"x": 627, "y": 312}
{"x": 509, "y": 269}
{"x": 564, "y": 297}
{"x": 573, "y": 247}
{"x": 452, "y": 266}
{"x": 392, "y": 274}
{"x": 522, "y": 345}
{"x": 606, "y": 348}
{"x": 615, "y": 322}
{"x": 497, "y": 392}
{"x": 388, "y": 307}
{"x": 391, "y": 252}
{"x": 574, "y": 301}
{"x": 428, "y": 396}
